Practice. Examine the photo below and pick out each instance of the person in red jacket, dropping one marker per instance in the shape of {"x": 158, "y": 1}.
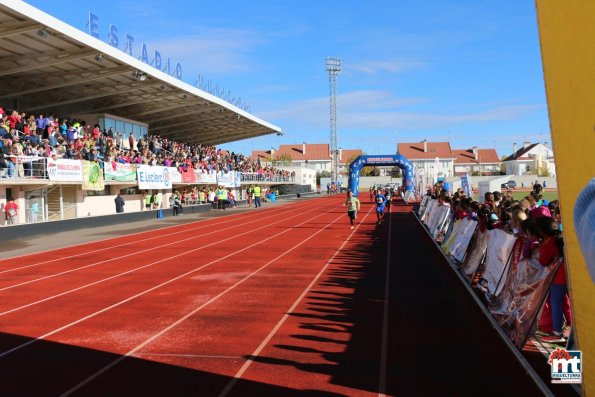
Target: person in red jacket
{"x": 550, "y": 249}
{"x": 11, "y": 212}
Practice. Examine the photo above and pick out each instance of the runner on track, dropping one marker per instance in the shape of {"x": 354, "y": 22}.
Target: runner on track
{"x": 380, "y": 205}
{"x": 372, "y": 193}
{"x": 353, "y": 205}
{"x": 388, "y": 195}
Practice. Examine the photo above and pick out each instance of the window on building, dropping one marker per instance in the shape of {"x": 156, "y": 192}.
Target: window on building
{"x": 104, "y": 192}
{"x": 130, "y": 191}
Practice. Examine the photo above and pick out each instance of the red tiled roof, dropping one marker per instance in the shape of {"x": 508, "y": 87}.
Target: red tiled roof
{"x": 347, "y": 154}
{"x": 415, "y": 151}
{"x": 519, "y": 154}
{"x": 483, "y": 156}
{"x": 261, "y": 155}
{"x": 314, "y": 151}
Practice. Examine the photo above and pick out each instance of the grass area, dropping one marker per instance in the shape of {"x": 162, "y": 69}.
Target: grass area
{"x": 549, "y": 195}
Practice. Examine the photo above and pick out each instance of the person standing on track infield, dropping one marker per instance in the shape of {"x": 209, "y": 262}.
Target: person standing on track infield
{"x": 353, "y": 205}
{"x": 380, "y": 201}
{"x": 257, "y": 193}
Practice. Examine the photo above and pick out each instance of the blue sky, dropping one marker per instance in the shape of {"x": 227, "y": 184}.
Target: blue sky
{"x": 464, "y": 71}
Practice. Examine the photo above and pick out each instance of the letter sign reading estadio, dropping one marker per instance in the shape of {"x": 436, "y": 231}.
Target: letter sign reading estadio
{"x": 114, "y": 41}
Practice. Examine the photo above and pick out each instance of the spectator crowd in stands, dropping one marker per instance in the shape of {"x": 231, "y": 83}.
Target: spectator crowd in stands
{"x": 537, "y": 222}
{"x": 56, "y": 137}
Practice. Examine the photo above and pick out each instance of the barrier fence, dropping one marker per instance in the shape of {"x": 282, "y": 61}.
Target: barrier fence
{"x": 93, "y": 174}
{"x": 513, "y": 288}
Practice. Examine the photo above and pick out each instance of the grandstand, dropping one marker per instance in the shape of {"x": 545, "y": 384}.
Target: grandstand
{"x": 50, "y": 68}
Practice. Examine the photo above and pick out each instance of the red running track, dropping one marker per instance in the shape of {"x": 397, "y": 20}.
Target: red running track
{"x": 277, "y": 302}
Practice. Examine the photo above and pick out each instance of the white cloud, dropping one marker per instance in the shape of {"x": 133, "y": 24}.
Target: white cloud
{"x": 389, "y": 66}
{"x": 212, "y": 51}
{"x": 379, "y": 110}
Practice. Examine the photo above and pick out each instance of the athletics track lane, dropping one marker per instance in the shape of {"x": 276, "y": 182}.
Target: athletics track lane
{"x": 82, "y": 302}
{"x": 330, "y": 344}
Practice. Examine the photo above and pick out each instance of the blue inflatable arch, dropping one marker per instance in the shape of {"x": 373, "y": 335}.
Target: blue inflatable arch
{"x": 390, "y": 160}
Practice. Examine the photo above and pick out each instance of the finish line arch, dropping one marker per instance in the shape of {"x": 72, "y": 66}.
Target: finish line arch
{"x": 380, "y": 160}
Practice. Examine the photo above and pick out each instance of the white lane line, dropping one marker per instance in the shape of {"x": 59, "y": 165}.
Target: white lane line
{"x": 207, "y": 303}
{"x": 266, "y": 340}
{"x": 384, "y": 343}
{"x": 131, "y": 254}
{"x": 147, "y": 265}
{"x": 120, "y": 303}
{"x": 185, "y": 355}
{"x": 201, "y": 226}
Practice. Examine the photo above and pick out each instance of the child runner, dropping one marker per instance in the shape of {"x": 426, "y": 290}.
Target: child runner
{"x": 388, "y": 196}
{"x": 380, "y": 203}
{"x": 353, "y": 206}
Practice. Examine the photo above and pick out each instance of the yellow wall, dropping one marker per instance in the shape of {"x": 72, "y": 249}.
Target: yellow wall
{"x": 567, "y": 34}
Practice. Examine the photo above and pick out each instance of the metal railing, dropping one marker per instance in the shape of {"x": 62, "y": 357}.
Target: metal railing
{"x": 250, "y": 177}
{"x": 35, "y": 168}
{"x": 25, "y": 167}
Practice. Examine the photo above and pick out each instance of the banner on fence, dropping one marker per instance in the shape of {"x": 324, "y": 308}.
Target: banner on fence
{"x": 188, "y": 175}
{"x": 476, "y": 251}
{"x": 92, "y": 176}
{"x": 175, "y": 175}
{"x": 458, "y": 248}
{"x": 466, "y": 186}
{"x": 531, "y": 285}
{"x": 429, "y": 210}
{"x": 446, "y": 244}
{"x": 155, "y": 177}
{"x": 499, "y": 248}
{"x": 63, "y": 170}
{"x": 226, "y": 179}
{"x": 205, "y": 177}
{"x": 119, "y": 172}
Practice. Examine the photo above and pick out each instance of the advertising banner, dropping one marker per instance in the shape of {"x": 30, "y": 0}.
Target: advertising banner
{"x": 498, "y": 253}
{"x": 459, "y": 247}
{"x": 119, "y": 172}
{"x": 92, "y": 176}
{"x": 176, "y": 176}
{"x": 226, "y": 179}
{"x": 188, "y": 175}
{"x": 423, "y": 205}
{"x": 238, "y": 180}
{"x": 153, "y": 177}
{"x": 205, "y": 177}
{"x": 567, "y": 38}
{"x": 63, "y": 170}
{"x": 477, "y": 250}
{"x": 452, "y": 237}
{"x": 465, "y": 185}
{"x": 429, "y": 210}
{"x": 532, "y": 283}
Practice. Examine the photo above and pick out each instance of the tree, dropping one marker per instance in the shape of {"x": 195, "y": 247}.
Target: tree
{"x": 322, "y": 174}
{"x": 543, "y": 170}
{"x": 282, "y": 159}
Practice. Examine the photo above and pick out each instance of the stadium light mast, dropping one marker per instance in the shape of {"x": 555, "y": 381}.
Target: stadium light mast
{"x": 333, "y": 67}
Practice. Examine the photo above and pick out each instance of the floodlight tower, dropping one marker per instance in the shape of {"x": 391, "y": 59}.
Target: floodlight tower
{"x": 333, "y": 67}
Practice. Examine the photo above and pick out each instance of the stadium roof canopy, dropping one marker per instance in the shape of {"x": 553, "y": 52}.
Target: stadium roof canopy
{"x": 47, "y": 65}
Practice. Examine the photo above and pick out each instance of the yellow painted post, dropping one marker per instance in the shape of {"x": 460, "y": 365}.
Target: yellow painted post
{"x": 567, "y": 35}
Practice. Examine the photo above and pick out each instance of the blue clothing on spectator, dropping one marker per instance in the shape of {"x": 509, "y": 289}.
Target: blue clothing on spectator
{"x": 41, "y": 122}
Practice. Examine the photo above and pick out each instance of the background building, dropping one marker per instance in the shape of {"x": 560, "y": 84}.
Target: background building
{"x": 311, "y": 155}
{"x": 476, "y": 161}
{"x": 532, "y": 158}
